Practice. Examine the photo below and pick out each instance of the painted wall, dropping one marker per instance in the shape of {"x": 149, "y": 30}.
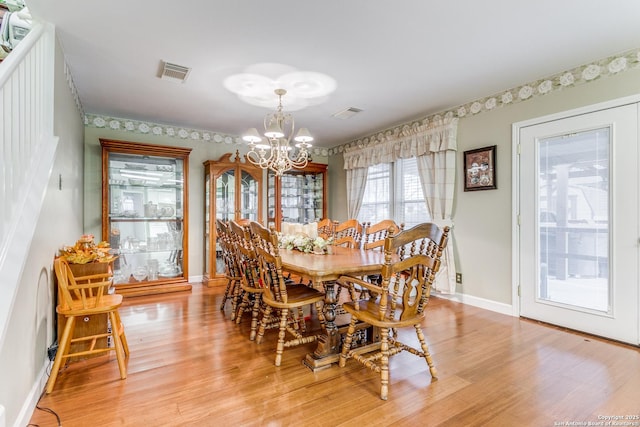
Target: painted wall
{"x": 22, "y": 361}
{"x": 201, "y": 151}
{"x": 483, "y": 228}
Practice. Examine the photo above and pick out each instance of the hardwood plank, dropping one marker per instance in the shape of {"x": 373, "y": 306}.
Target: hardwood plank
{"x": 190, "y": 365}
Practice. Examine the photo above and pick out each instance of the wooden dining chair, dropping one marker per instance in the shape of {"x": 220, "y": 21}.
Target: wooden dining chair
{"x": 325, "y": 228}
{"x": 251, "y": 292}
{"x": 80, "y": 297}
{"x": 232, "y": 291}
{"x": 412, "y": 259}
{"x": 373, "y": 238}
{"x": 374, "y": 234}
{"x": 280, "y": 296}
{"x": 347, "y": 233}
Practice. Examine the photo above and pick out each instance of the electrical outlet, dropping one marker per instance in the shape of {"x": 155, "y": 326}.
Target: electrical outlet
{"x": 459, "y": 278}
{"x": 51, "y": 351}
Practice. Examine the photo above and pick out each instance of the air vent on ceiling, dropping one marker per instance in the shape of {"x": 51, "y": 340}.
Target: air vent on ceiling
{"x": 346, "y": 114}
{"x": 174, "y": 72}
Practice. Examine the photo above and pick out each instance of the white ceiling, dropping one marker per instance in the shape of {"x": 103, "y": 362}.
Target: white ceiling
{"x": 396, "y": 60}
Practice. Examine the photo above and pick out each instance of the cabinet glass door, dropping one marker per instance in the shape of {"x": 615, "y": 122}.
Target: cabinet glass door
{"x": 226, "y": 196}
{"x": 145, "y": 225}
{"x": 249, "y": 197}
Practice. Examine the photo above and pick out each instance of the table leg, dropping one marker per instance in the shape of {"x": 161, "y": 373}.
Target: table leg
{"x": 328, "y": 350}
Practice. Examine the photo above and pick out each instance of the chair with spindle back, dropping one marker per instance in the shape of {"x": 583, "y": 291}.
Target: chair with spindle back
{"x": 373, "y": 238}
{"x": 374, "y": 234}
{"x": 82, "y": 296}
{"x": 251, "y": 294}
{"x": 232, "y": 291}
{"x": 325, "y": 228}
{"x": 347, "y": 233}
{"x": 250, "y": 299}
{"x": 279, "y": 296}
{"x": 412, "y": 259}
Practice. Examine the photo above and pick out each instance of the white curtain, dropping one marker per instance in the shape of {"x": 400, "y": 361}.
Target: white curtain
{"x": 410, "y": 142}
{"x": 434, "y": 146}
{"x": 356, "y": 183}
{"x": 437, "y": 176}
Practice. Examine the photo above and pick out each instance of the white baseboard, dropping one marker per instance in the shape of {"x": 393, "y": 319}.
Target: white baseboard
{"x": 34, "y": 396}
{"x": 486, "y": 304}
{"x": 195, "y": 279}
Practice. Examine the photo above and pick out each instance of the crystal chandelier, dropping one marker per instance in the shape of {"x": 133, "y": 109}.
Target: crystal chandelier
{"x": 278, "y": 155}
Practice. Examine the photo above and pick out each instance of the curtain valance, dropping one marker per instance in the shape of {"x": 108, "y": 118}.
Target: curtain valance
{"x": 413, "y": 142}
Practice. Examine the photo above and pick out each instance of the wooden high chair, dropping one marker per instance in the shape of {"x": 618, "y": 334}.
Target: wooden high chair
{"x": 86, "y": 296}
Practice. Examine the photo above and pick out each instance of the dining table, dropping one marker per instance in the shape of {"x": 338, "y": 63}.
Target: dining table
{"x": 323, "y": 270}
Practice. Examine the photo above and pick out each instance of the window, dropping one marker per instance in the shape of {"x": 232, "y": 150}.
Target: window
{"x": 394, "y": 191}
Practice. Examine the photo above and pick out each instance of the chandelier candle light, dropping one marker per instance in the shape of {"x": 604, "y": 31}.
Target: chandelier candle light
{"x": 279, "y": 128}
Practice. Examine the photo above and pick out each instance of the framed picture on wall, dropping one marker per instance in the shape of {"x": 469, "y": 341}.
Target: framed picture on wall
{"x": 480, "y": 169}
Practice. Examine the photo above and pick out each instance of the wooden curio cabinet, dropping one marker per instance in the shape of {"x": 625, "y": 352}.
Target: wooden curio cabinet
{"x": 232, "y": 191}
{"x": 298, "y": 196}
{"x": 145, "y": 215}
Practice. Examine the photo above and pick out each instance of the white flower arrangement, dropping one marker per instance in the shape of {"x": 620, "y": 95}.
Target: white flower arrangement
{"x": 304, "y": 243}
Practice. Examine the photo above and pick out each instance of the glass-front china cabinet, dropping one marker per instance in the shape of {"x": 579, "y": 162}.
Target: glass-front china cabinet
{"x": 144, "y": 215}
{"x": 233, "y": 191}
{"x": 298, "y": 196}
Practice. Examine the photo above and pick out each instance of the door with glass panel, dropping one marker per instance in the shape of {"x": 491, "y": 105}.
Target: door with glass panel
{"x": 578, "y": 197}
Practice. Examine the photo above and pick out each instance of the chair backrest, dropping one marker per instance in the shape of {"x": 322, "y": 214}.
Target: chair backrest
{"x": 348, "y": 233}
{"x": 412, "y": 259}
{"x": 375, "y": 234}
{"x": 81, "y": 293}
{"x": 325, "y": 228}
{"x": 265, "y": 243}
{"x": 245, "y": 254}
{"x": 224, "y": 239}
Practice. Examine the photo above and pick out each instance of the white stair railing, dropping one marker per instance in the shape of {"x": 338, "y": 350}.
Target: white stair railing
{"x": 27, "y": 153}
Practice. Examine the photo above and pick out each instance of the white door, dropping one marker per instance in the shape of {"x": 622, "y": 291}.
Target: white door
{"x": 579, "y": 215}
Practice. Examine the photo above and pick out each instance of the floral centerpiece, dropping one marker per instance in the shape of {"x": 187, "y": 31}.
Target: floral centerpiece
{"x": 87, "y": 251}
{"x": 304, "y": 243}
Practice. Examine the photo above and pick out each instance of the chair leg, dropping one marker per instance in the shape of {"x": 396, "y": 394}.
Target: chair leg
{"x": 320, "y": 313}
{"x": 226, "y": 294}
{"x": 263, "y": 323}
{"x": 118, "y": 345}
{"x": 425, "y": 350}
{"x": 384, "y": 363}
{"x": 347, "y": 342}
{"x": 235, "y": 298}
{"x": 302, "y": 324}
{"x": 255, "y": 312}
{"x": 63, "y": 349}
{"x": 241, "y": 307}
{"x": 281, "y": 335}
{"x": 121, "y": 334}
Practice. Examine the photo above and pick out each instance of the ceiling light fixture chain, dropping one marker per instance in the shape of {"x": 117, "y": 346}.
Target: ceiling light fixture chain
{"x": 278, "y": 155}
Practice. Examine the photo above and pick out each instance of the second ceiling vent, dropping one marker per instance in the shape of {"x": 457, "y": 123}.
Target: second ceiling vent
{"x": 347, "y": 113}
{"x": 175, "y": 72}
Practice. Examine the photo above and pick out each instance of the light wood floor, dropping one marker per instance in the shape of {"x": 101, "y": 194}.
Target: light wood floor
{"x": 190, "y": 366}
